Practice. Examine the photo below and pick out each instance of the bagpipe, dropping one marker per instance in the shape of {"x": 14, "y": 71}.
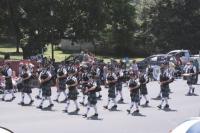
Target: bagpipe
{"x": 132, "y": 84}
{"x": 24, "y": 75}
{"x": 165, "y": 80}
{"x": 70, "y": 81}
{"x": 60, "y": 73}
{"x": 45, "y": 76}
{"x": 110, "y": 80}
{"x": 4, "y": 71}
{"x": 142, "y": 79}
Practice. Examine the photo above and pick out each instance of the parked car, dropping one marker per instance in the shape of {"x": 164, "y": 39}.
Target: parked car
{"x": 155, "y": 60}
{"x": 191, "y": 125}
{"x": 5, "y": 130}
{"x": 196, "y": 59}
{"x": 183, "y": 54}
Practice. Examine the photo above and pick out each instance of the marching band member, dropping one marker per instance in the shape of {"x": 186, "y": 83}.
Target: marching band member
{"x": 190, "y": 72}
{"x": 72, "y": 82}
{"x": 45, "y": 82}
{"x": 134, "y": 85}
{"x": 7, "y": 73}
{"x": 26, "y": 88}
{"x": 143, "y": 79}
{"x": 164, "y": 80}
{"x": 61, "y": 82}
{"x": 92, "y": 98}
{"x": 111, "y": 79}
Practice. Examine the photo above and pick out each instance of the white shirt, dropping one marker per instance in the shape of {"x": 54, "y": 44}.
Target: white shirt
{"x": 9, "y": 72}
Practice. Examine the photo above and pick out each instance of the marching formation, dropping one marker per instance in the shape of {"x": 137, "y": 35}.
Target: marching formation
{"x": 87, "y": 77}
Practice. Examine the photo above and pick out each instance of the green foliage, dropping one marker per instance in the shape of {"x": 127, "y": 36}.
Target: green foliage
{"x": 122, "y": 26}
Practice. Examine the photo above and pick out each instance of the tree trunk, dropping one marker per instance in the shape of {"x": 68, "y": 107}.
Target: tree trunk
{"x": 16, "y": 31}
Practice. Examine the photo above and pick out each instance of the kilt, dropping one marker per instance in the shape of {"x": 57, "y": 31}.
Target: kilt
{"x": 83, "y": 88}
{"x": 165, "y": 91}
{"x": 190, "y": 80}
{"x": 26, "y": 88}
{"x": 98, "y": 89}
{"x": 135, "y": 97}
{"x": 62, "y": 85}
{"x": 92, "y": 98}
{"x": 46, "y": 89}
{"x": 119, "y": 86}
{"x": 111, "y": 91}
{"x": 9, "y": 84}
{"x": 73, "y": 93}
{"x": 143, "y": 89}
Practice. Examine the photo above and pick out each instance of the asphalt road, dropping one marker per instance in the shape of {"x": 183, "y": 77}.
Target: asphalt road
{"x": 29, "y": 119}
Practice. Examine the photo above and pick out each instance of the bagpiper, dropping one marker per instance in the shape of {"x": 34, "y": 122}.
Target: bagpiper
{"x": 7, "y": 73}
{"x": 45, "y": 84}
{"x": 134, "y": 86}
{"x": 92, "y": 97}
{"x": 190, "y": 73}
{"x": 84, "y": 83}
{"x": 164, "y": 80}
{"x": 143, "y": 79}
{"x": 111, "y": 79}
{"x": 61, "y": 82}
{"x": 119, "y": 83}
{"x": 72, "y": 82}
{"x": 26, "y": 87}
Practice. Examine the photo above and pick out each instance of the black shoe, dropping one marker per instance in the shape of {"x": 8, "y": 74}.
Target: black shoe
{"x": 114, "y": 107}
{"x": 31, "y": 102}
{"x": 85, "y": 115}
{"x": 159, "y": 106}
{"x": 51, "y": 105}
{"x": 129, "y": 111}
{"x": 147, "y": 103}
{"x": 56, "y": 100}
{"x": 77, "y": 110}
{"x": 38, "y": 97}
{"x": 105, "y": 107}
{"x": 82, "y": 103}
{"x": 2, "y": 99}
{"x": 158, "y": 97}
{"x": 12, "y": 98}
{"x": 39, "y": 107}
{"x": 65, "y": 100}
{"x": 22, "y": 103}
{"x": 66, "y": 111}
{"x": 166, "y": 106}
{"x": 121, "y": 100}
{"x": 193, "y": 90}
{"x": 136, "y": 111}
{"x": 95, "y": 115}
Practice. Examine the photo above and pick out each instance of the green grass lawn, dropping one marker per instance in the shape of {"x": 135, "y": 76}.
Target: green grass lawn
{"x": 58, "y": 54}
